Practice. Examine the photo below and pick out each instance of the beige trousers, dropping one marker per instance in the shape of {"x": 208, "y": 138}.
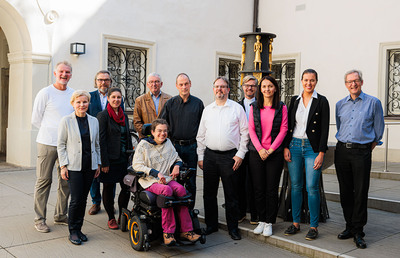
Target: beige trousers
{"x": 47, "y": 157}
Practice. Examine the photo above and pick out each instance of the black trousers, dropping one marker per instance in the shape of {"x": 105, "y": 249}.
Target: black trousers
{"x": 266, "y": 176}
{"x": 353, "y": 168}
{"x": 246, "y": 191}
{"x": 109, "y": 195}
{"x": 188, "y": 155}
{"x": 218, "y": 165}
{"x": 79, "y": 184}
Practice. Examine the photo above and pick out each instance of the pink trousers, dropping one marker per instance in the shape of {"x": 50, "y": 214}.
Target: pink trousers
{"x": 168, "y": 217}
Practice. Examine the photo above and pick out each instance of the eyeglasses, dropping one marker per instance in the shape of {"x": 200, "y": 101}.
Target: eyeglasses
{"x": 103, "y": 80}
{"x": 351, "y": 82}
{"x": 220, "y": 86}
{"x": 248, "y": 85}
{"x": 151, "y": 82}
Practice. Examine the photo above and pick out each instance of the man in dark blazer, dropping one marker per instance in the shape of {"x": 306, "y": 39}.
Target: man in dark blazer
{"x": 98, "y": 102}
{"x": 246, "y": 192}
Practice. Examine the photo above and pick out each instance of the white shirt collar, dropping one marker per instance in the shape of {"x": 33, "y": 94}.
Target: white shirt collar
{"x": 314, "y": 95}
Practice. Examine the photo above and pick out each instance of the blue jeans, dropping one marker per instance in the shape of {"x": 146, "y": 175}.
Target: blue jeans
{"x": 303, "y": 156}
{"x": 95, "y": 191}
{"x": 188, "y": 155}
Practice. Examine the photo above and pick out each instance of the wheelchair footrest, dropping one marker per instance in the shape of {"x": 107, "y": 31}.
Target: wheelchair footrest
{"x": 170, "y": 201}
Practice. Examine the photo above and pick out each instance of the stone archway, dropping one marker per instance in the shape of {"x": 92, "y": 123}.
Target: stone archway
{"x": 26, "y": 70}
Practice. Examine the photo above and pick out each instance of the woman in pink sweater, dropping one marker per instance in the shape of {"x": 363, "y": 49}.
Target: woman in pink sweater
{"x": 268, "y": 124}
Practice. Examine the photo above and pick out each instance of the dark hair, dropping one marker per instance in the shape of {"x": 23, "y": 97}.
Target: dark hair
{"x": 310, "y": 71}
{"x": 113, "y": 89}
{"x": 260, "y": 96}
{"x": 158, "y": 121}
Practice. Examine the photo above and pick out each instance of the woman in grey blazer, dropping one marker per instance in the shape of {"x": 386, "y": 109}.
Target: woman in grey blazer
{"x": 78, "y": 148}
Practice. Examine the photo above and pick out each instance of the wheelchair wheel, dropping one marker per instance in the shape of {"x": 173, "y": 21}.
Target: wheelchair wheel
{"x": 136, "y": 233}
{"x": 203, "y": 239}
{"x": 123, "y": 223}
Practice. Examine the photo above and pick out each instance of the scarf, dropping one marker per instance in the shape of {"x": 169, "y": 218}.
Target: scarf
{"x": 120, "y": 118}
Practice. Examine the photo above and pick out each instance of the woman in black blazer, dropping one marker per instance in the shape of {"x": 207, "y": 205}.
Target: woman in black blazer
{"x": 115, "y": 140}
{"x": 305, "y": 147}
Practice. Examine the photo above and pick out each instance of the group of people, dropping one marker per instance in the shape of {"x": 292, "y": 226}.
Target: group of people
{"x": 242, "y": 144}
{"x": 299, "y": 135}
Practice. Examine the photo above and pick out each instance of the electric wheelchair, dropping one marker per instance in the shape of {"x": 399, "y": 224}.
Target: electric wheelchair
{"x": 143, "y": 221}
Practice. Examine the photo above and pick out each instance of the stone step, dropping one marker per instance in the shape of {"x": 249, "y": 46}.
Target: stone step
{"x": 380, "y": 235}
{"x": 384, "y": 191}
{"x": 284, "y": 242}
{"x": 373, "y": 202}
{"x": 377, "y": 174}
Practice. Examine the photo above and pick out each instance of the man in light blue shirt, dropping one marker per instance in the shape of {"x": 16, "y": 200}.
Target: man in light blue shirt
{"x": 360, "y": 125}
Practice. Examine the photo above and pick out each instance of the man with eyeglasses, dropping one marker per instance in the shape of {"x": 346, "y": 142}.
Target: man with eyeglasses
{"x": 221, "y": 146}
{"x": 246, "y": 192}
{"x": 98, "y": 102}
{"x": 149, "y": 105}
{"x": 360, "y": 125}
{"x": 183, "y": 114}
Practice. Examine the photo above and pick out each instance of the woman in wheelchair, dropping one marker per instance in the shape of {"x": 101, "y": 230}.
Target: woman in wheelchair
{"x": 156, "y": 156}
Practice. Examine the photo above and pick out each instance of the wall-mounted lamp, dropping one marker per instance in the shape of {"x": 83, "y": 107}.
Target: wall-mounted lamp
{"x": 77, "y": 48}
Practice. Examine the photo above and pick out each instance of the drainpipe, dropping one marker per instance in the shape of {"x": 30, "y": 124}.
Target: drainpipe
{"x": 255, "y": 17}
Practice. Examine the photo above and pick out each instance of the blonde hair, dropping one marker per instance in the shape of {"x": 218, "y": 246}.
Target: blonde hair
{"x": 79, "y": 93}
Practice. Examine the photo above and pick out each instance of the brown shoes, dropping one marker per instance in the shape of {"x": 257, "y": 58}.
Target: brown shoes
{"x": 94, "y": 209}
{"x": 169, "y": 239}
{"x": 191, "y": 236}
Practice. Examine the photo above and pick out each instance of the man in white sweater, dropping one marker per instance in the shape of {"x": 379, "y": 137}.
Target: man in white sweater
{"x": 51, "y": 104}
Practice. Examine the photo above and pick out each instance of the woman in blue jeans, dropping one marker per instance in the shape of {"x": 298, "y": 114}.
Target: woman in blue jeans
{"x": 305, "y": 147}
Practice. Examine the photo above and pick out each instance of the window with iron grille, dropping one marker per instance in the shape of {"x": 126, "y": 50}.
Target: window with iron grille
{"x": 284, "y": 72}
{"x": 128, "y": 66}
{"x": 230, "y": 69}
{"x": 393, "y": 83}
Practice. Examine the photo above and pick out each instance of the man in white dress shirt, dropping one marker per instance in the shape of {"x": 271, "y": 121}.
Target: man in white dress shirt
{"x": 221, "y": 146}
{"x": 51, "y": 104}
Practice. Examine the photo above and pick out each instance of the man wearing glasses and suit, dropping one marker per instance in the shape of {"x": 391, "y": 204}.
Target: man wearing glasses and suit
{"x": 98, "y": 102}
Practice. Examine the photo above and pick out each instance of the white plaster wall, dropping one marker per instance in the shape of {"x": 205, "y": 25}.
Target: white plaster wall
{"x": 334, "y": 37}
{"x": 187, "y": 35}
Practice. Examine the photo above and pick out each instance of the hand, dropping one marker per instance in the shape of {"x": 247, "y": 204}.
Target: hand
{"x": 263, "y": 154}
{"x": 161, "y": 179}
{"x": 238, "y": 162}
{"x": 105, "y": 169}
{"x": 373, "y": 145}
{"x": 318, "y": 161}
{"x": 287, "y": 155}
{"x": 175, "y": 172}
{"x": 200, "y": 163}
{"x": 97, "y": 173}
{"x": 64, "y": 173}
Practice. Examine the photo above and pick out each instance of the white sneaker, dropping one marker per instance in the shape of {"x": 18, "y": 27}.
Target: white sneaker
{"x": 267, "y": 229}
{"x": 260, "y": 228}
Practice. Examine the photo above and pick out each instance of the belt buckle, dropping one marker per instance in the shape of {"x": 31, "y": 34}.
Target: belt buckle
{"x": 181, "y": 142}
{"x": 349, "y": 145}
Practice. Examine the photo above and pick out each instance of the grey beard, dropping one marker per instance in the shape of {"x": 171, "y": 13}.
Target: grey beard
{"x": 104, "y": 91}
